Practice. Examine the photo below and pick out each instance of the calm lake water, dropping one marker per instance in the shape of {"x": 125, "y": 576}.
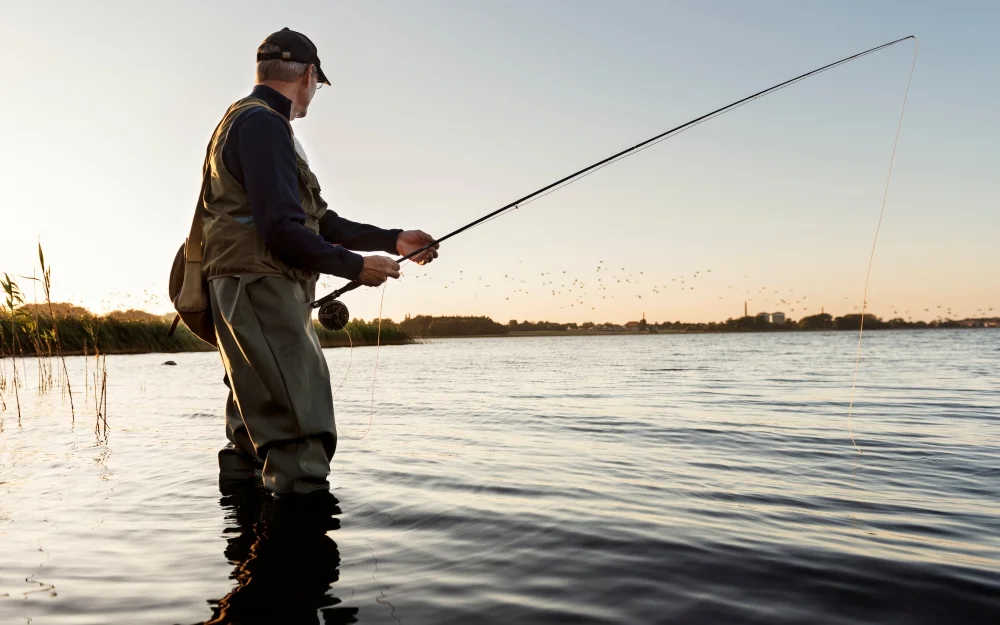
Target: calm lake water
{"x": 618, "y": 479}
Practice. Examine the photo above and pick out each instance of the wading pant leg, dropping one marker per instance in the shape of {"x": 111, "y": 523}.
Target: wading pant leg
{"x": 279, "y": 378}
{"x": 238, "y": 462}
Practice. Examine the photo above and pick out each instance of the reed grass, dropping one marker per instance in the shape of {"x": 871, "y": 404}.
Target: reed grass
{"x": 13, "y": 300}
{"x": 363, "y": 333}
{"x": 50, "y": 336}
{"x": 79, "y": 334}
{"x": 117, "y": 333}
{"x": 32, "y": 329}
{"x": 52, "y": 331}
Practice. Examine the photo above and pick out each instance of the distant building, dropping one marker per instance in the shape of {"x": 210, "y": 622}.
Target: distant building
{"x": 776, "y": 318}
{"x": 637, "y": 325}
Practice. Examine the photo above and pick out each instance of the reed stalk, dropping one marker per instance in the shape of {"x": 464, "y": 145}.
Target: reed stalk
{"x": 86, "y": 366}
{"x": 33, "y": 332}
{"x": 3, "y": 362}
{"x": 101, "y": 424}
{"x": 100, "y": 398}
{"x": 47, "y": 284}
{"x": 14, "y": 299}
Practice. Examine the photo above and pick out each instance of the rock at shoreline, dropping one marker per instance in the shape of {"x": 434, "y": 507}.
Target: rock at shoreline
{"x": 171, "y": 363}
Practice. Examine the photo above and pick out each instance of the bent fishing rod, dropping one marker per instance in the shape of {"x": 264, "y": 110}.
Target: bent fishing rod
{"x": 333, "y": 313}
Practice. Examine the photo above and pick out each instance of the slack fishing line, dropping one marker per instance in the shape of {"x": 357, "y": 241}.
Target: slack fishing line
{"x": 378, "y": 345}
{"x": 334, "y": 315}
{"x": 871, "y": 257}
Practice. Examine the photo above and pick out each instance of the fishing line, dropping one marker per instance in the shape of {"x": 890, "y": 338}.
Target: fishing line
{"x": 350, "y": 343}
{"x": 871, "y": 257}
{"x": 378, "y": 344}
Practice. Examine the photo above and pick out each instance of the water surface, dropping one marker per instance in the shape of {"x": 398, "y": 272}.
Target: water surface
{"x": 617, "y": 479}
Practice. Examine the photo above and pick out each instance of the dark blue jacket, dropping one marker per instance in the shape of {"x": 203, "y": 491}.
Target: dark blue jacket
{"x": 259, "y": 153}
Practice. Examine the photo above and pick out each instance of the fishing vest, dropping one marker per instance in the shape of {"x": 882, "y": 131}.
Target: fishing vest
{"x": 232, "y": 244}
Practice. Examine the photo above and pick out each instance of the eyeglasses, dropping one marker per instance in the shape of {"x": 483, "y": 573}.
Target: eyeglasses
{"x": 315, "y": 73}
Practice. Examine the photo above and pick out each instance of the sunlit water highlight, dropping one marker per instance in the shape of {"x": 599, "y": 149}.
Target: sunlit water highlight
{"x": 619, "y": 479}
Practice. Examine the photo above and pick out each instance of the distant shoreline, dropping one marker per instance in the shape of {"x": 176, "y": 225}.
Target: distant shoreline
{"x": 204, "y": 348}
{"x": 674, "y": 332}
{"x": 30, "y": 332}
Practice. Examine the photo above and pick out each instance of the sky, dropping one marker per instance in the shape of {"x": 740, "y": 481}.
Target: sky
{"x": 441, "y": 112}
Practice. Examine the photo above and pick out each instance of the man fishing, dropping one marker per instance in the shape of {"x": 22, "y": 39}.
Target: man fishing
{"x": 268, "y": 234}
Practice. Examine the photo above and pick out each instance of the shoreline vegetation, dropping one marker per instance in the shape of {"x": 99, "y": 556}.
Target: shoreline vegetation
{"x": 55, "y": 330}
{"x": 425, "y": 326}
{"x": 30, "y": 331}
{"x": 46, "y": 332}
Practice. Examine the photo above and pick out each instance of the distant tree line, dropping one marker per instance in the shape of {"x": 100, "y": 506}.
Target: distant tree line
{"x": 430, "y": 326}
{"x": 30, "y": 329}
{"x": 540, "y": 326}
{"x": 362, "y": 332}
{"x": 822, "y": 321}
{"x": 425, "y": 325}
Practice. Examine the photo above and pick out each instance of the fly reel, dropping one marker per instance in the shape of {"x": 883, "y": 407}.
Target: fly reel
{"x": 333, "y": 315}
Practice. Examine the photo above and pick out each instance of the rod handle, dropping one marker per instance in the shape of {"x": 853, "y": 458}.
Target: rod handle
{"x": 350, "y": 286}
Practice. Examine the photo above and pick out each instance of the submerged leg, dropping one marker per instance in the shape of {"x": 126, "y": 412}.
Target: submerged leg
{"x": 238, "y": 462}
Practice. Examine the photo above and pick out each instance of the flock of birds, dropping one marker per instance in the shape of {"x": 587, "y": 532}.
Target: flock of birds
{"x": 606, "y": 283}
{"x": 609, "y": 282}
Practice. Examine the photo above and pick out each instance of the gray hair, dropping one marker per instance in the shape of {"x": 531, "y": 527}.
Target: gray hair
{"x": 276, "y": 69}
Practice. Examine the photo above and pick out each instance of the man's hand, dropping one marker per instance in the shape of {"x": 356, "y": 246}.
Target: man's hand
{"x": 377, "y": 270}
{"x": 411, "y": 240}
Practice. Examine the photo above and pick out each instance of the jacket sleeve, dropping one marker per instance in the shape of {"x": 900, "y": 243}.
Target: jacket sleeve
{"x": 357, "y": 236}
{"x": 266, "y": 156}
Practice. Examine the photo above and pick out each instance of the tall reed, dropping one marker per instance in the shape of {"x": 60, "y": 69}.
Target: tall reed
{"x": 3, "y": 367}
{"x": 14, "y": 299}
{"x": 100, "y": 378}
{"x": 47, "y": 284}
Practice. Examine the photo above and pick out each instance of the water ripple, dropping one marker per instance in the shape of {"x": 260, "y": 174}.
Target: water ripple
{"x": 642, "y": 479}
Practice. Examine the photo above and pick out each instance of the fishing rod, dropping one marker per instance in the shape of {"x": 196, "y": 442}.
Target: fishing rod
{"x": 333, "y": 313}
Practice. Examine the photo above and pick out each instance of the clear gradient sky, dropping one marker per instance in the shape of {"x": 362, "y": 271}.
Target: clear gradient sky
{"x": 443, "y": 111}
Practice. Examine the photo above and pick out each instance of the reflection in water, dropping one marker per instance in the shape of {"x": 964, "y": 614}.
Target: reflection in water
{"x": 284, "y": 560}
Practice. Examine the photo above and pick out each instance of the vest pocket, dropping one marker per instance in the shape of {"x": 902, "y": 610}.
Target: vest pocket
{"x": 309, "y": 195}
{"x": 309, "y": 179}
{"x": 312, "y": 223}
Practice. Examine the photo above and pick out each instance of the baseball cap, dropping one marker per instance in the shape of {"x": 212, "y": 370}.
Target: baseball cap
{"x": 293, "y": 46}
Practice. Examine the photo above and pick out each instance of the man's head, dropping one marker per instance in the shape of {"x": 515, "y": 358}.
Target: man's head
{"x": 287, "y": 61}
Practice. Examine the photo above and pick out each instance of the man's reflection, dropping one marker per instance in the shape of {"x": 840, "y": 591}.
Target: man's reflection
{"x": 285, "y": 561}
